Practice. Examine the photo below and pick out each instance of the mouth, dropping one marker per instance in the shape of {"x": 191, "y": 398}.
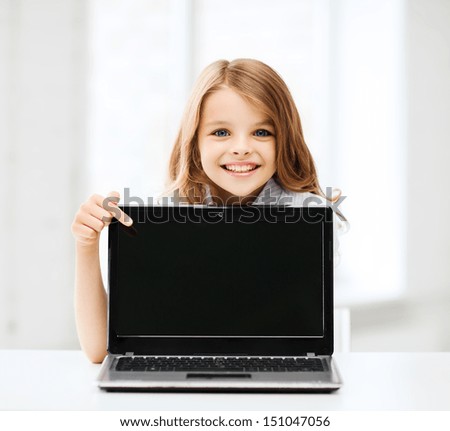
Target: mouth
{"x": 240, "y": 168}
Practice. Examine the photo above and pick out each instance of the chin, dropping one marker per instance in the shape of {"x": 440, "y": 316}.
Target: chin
{"x": 241, "y": 190}
{"x": 240, "y": 187}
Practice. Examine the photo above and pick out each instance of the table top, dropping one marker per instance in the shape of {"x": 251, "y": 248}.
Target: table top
{"x": 66, "y": 380}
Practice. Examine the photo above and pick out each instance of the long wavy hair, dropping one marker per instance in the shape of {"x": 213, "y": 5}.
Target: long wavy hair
{"x": 260, "y": 85}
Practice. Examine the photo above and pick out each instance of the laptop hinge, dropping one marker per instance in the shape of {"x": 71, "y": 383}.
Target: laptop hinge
{"x": 310, "y": 355}
{"x": 129, "y": 353}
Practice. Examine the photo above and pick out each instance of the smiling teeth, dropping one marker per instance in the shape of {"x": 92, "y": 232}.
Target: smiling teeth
{"x": 244, "y": 168}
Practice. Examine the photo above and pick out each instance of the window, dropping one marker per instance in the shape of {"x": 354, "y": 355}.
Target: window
{"x": 343, "y": 64}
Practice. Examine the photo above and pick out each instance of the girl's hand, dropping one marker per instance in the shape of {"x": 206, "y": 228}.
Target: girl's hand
{"x": 95, "y": 214}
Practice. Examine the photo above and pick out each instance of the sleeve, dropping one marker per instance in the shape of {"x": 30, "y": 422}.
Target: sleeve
{"x": 341, "y": 227}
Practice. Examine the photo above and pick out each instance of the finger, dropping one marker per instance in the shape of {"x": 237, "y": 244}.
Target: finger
{"x": 92, "y": 222}
{"x": 110, "y": 205}
{"x": 100, "y": 213}
{"x": 114, "y": 194}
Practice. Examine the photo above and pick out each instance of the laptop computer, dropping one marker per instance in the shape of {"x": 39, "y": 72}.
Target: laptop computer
{"x": 221, "y": 299}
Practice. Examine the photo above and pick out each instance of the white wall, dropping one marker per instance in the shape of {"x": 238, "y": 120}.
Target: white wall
{"x": 421, "y": 321}
{"x": 44, "y": 111}
{"x": 429, "y": 146}
{"x": 367, "y": 137}
{"x": 42, "y": 128}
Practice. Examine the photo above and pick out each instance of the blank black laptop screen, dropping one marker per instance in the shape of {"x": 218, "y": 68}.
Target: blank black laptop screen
{"x": 224, "y": 277}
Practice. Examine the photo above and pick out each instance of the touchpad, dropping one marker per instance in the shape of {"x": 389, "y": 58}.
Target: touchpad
{"x": 218, "y": 376}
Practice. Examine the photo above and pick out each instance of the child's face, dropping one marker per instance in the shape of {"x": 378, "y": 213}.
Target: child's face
{"x": 237, "y": 145}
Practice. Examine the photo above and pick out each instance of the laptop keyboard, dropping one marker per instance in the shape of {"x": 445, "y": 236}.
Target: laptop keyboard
{"x": 186, "y": 363}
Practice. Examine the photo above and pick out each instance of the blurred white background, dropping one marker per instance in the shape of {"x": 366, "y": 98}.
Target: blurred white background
{"x": 92, "y": 94}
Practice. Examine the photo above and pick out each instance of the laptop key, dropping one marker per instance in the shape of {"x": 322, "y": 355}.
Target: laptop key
{"x": 248, "y": 364}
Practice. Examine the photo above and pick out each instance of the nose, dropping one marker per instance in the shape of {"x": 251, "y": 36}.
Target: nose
{"x": 241, "y": 146}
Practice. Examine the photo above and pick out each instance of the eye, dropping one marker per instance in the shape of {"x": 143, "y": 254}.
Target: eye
{"x": 221, "y": 133}
{"x": 262, "y": 133}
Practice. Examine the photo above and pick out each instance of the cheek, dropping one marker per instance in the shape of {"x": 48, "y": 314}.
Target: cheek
{"x": 207, "y": 158}
{"x": 208, "y": 153}
{"x": 202, "y": 151}
{"x": 270, "y": 154}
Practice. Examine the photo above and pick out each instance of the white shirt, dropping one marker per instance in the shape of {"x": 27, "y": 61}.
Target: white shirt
{"x": 273, "y": 194}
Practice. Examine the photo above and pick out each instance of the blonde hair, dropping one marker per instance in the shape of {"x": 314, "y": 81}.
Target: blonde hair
{"x": 263, "y": 87}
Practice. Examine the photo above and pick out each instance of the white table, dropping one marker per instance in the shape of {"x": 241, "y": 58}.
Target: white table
{"x": 65, "y": 380}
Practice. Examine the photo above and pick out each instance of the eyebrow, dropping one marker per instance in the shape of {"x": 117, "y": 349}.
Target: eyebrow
{"x": 226, "y": 123}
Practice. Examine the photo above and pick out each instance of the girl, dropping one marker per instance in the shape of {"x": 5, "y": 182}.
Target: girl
{"x": 240, "y": 142}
